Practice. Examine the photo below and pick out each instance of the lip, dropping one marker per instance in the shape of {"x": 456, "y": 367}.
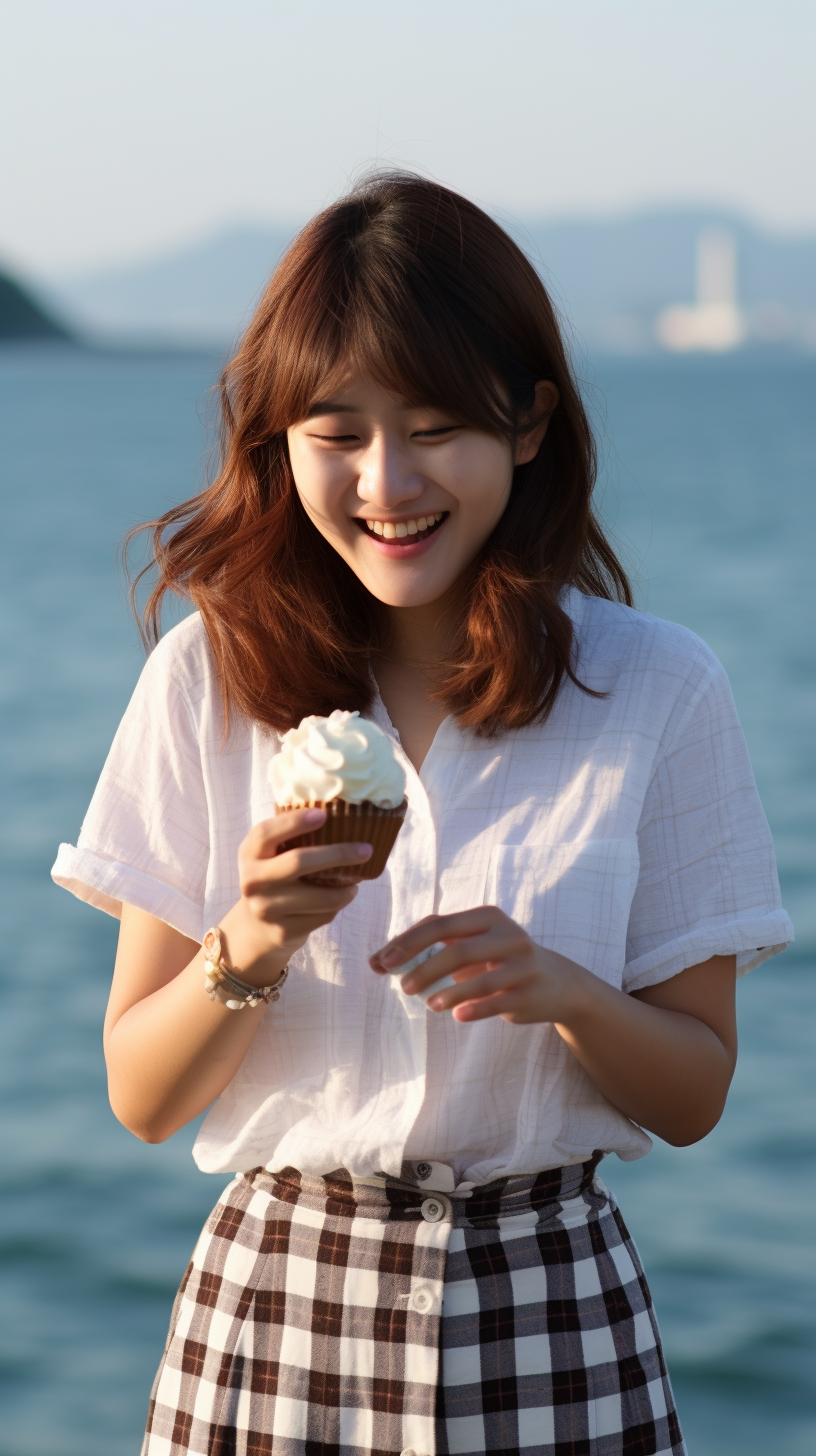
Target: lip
{"x": 404, "y": 548}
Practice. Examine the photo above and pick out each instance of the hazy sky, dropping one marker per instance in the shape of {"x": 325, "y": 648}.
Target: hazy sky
{"x": 132, "y": 125}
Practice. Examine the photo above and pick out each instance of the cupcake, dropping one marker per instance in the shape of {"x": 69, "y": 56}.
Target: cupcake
{"x": 345, "y": 765}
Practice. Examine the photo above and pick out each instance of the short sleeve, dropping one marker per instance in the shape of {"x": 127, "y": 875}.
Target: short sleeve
{"x": 145, "y": 839}
{"x": 708, "y": 882}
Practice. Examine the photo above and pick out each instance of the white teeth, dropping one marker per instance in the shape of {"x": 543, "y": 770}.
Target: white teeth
{"x": 391, "y": 530}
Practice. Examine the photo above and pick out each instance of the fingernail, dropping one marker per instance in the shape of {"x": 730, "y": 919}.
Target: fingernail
{"x": 388, "y": 957}
{"x": 314, "y": 816}
{"x": 363, "y": 851}
{"x": 436, "y": 1003}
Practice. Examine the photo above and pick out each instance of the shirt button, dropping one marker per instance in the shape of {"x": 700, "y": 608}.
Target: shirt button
{"x": 423, "y": 1171}
{"x": 433, "y": 1209}
{"x": 421, "y": 1300}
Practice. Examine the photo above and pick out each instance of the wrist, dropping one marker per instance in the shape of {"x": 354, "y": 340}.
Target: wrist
{"x": 576, "y": 990}
{"x": 222, "y": 984}
{"x": 246, "y": 947}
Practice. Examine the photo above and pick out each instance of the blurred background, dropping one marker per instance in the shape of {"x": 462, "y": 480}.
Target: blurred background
{"x": 656, "y": 161}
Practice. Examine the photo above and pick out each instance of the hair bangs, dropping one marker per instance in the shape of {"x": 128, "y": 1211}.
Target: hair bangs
{"x": 398, "y": 328}
{"x": 414, "y": 345}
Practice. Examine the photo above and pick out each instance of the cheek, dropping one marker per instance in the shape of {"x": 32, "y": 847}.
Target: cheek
{"x": 319, "y": 486}
{"x": 483, "y": 486}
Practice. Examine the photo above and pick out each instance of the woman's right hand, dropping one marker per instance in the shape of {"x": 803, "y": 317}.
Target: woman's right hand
{"x": 277, "y": 911}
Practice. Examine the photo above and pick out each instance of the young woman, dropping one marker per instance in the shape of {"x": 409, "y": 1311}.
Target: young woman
{"x": 416, "y": 1254}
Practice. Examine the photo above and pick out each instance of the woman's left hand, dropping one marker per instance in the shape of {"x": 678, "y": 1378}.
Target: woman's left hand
{"x": 498, "y": 969}
{"x": 663, "y": 1056}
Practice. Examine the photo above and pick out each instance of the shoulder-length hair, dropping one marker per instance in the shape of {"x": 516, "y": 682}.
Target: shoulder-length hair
{"x": 417, "y": 286}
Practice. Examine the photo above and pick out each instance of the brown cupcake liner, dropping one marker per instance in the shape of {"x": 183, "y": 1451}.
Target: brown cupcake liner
{"x": 346, "y": 823}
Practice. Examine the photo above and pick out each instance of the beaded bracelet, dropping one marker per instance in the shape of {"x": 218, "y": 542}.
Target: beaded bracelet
{"x": 222, "y": 984}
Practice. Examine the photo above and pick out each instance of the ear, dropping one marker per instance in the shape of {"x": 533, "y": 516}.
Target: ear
{"x": 546, "y": 398}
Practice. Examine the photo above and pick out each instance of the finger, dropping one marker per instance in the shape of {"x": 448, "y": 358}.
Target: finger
{"x": 476, "y": 988}
{"x": 314, "y": 859}
{"x": 509, "y": 1005}
{"x": 382, "y": 969}
{"x": 286, "y": 902}
{"x": 298, "y": 927}
{"x": 435, "y": 927}
{"x": 301, "y": 860}
{"x": 263, "y": 838}
{"x": 293, "y": 930}
{"x": 499, "y": 944}
{"x": 447, "y": 960}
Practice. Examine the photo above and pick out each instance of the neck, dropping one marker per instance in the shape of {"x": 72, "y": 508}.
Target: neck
{"x": 408, "y": 668}
{"x": 422, "y": 637}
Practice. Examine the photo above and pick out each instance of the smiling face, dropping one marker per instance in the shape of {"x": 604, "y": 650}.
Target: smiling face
{"x": 403, "y": 492}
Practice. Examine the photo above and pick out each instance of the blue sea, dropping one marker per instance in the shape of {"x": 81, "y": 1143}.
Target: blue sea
{"x": 709, "y": 485}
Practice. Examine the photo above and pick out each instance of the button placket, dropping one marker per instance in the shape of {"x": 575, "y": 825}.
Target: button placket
{"x": 425, "y": 1311}
{"x": 414, "y": 868}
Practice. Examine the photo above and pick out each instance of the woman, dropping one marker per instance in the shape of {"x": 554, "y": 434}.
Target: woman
{"x": 417, "y": 1254}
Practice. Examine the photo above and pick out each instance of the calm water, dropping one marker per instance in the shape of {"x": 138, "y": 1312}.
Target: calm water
{"x": 710, "y": 481}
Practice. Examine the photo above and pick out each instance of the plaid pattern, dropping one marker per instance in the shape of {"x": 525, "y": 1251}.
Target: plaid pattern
{"x": 339, "y": 1317}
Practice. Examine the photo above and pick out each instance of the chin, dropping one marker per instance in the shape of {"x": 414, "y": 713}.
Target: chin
{"x": 404, "y": 600}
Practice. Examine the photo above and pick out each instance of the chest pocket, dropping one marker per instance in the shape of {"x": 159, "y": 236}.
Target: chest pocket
{"x": 573, "y": 897}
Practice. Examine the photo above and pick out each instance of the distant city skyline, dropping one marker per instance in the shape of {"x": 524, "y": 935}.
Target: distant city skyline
{"x": 135, "y": 130}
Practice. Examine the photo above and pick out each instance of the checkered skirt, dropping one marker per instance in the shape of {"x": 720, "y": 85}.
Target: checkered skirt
{"x": 339, "y": 1317}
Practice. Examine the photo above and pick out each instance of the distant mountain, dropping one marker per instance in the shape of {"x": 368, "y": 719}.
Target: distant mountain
{"x": 200, "y": 295}
{"x": 22, "y": 317}
{"x": 610, "y": 277}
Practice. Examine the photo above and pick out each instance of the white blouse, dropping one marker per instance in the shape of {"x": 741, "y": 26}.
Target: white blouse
{"x": 625, "y": 833}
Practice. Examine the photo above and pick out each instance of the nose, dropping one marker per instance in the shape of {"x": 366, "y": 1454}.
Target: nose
{"x": 387, "y": 476}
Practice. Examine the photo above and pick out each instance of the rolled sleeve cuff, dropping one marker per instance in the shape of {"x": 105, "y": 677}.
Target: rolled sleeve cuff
{"x": 752, "y": 939}
{"x": 107, "y": 884}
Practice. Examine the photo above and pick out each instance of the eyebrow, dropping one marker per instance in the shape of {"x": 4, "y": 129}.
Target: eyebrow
{"x": 329, "y": 407}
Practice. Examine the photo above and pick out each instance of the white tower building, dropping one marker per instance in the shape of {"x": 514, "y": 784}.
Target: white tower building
{"x": 714, "y": 323}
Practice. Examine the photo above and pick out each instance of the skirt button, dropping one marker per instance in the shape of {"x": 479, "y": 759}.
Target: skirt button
{"x": 421, "y": 1300}
{"x": 433, "y": 1209}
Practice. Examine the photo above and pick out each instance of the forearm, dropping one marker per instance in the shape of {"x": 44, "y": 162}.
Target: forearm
{"x": 666, "y": 1070}
{"x": 173, "y": 1051}
{"x": 170, "y": 1050}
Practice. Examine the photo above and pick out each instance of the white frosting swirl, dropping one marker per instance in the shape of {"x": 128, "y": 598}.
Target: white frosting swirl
{"x": 343, "y": 756}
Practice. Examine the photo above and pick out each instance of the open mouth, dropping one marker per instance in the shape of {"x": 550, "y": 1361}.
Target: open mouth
{"x": 417, "y": 529}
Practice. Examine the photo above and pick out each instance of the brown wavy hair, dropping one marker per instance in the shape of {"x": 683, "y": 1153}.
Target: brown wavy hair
{"x": 414, "y": 284}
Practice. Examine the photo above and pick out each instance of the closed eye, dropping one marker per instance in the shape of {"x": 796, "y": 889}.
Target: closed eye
{"x": 334, "y": 439}
{"x": 440, "y": 430}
